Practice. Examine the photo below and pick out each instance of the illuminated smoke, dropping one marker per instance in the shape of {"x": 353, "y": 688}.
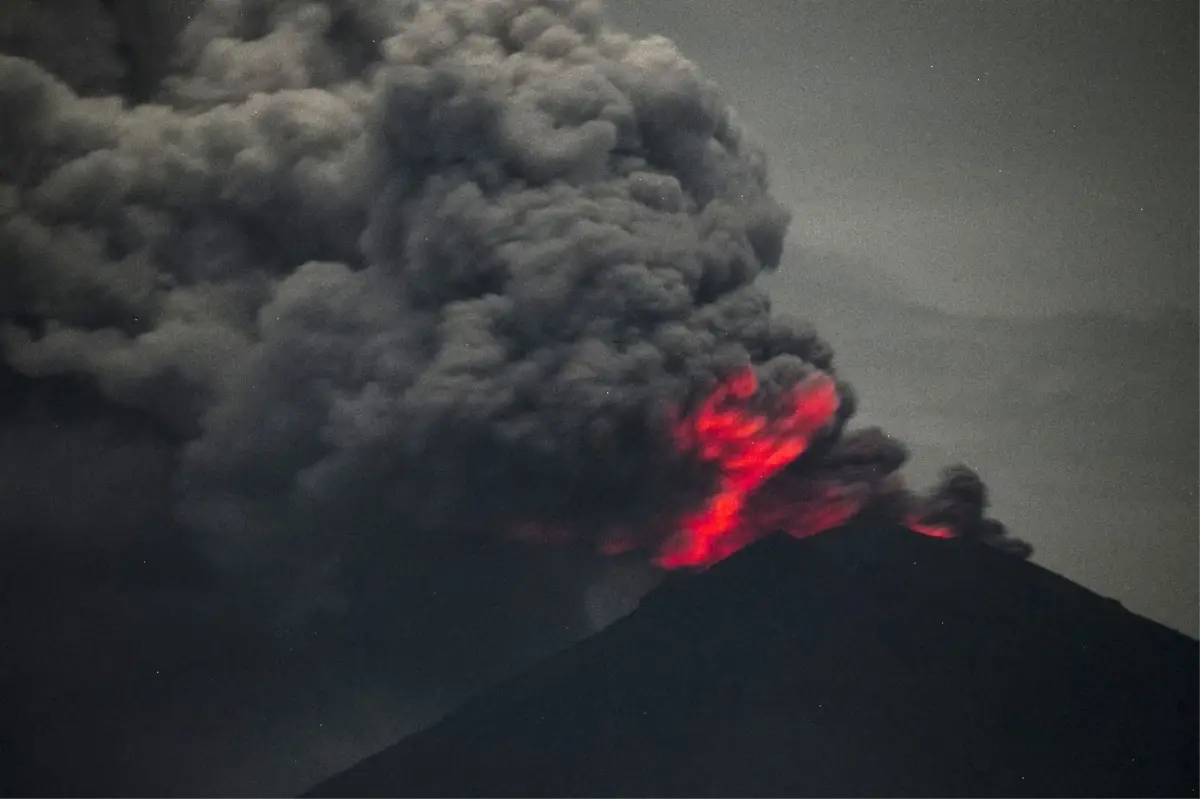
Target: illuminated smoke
{"x": 752, "y": 445}
{"x": 748, "y": 449}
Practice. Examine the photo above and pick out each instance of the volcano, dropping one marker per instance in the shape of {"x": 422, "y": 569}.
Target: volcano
{"x": 867, "y": 660}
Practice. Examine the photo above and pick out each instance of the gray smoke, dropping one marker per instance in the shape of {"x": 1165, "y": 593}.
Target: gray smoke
{"x": 449, "y": 262}
{"x": 397, "y": 269}
{"x": 345, "y": 289}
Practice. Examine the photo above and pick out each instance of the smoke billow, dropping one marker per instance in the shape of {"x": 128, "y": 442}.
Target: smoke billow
{"x": 336, "y": 297}
{"x": 418, "y": 269}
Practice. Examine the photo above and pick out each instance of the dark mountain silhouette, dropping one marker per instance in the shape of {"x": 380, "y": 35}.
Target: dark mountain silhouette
{"x": 866, "y": 661}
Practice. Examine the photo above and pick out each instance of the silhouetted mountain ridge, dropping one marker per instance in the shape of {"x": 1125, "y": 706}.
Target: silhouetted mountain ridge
{"x": 865, "y": 661}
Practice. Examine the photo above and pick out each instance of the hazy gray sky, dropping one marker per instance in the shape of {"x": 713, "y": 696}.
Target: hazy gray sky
{"x": 957, "y": 169}
{"x": 989, "y": 157}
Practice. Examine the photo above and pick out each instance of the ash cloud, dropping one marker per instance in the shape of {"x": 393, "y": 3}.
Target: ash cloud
{"x": 322, "y": 289}
{"x": 959, "y": 501}
{"x": 447, "y": 261}
{"x": 417, "y": 269}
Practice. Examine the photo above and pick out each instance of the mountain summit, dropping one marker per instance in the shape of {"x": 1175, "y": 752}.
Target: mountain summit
{"x": 864, "y": 661}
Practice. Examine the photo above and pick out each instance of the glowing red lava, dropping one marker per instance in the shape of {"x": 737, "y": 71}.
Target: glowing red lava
{"x": 931, "y": 530}
{"x": 750, "y": 447}
{"x": 749, "y": 442}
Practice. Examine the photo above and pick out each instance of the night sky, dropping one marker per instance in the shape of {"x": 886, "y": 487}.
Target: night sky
{"x": 993, "y": 224}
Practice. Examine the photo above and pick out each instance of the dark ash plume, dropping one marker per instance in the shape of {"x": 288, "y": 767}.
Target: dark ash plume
{"x": 959, "y": 501}
{"x": 342, "y": 286}
{"x": 399, "y": 269}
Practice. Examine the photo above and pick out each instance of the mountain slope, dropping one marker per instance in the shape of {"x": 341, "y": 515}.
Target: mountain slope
{"x": 869, "y": 660}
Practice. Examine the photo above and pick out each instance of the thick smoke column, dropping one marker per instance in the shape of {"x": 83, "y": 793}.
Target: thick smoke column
{"x": 421, "y": 268}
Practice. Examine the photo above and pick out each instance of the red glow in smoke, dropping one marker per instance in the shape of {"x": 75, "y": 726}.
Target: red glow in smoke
{"x": 749, "y": 447}
{"x": 932, "y": 530}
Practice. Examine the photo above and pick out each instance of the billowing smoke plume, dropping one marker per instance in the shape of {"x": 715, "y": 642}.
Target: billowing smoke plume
{"x": 418, "y": 268}
{"x": 955, "y": 509}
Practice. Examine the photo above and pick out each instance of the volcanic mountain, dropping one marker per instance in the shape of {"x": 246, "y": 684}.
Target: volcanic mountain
{"x": 867, "y": 660}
